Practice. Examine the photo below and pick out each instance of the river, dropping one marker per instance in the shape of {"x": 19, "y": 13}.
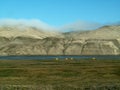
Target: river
{"x": 61, "y": 57}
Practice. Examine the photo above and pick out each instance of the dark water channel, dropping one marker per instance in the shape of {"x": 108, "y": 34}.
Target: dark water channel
{"x": 61, "y": 57}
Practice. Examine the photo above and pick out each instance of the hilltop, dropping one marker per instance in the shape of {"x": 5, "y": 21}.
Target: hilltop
{"x": 105, "y": 32}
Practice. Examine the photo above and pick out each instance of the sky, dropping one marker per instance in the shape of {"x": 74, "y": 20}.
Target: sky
{"x": 62, "y": 12}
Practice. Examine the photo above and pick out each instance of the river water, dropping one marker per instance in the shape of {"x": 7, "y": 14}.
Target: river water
{"x": 61, "y": 57}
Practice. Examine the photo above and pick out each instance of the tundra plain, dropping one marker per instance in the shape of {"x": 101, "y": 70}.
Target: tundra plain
{"x": 60, "y": 74}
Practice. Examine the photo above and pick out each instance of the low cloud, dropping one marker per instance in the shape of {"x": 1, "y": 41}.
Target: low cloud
{"x": 76, "y": 26}
{"x": 114, "y": 23}
{"x": 81, "y": 26}
{"x": 25, "y": 22}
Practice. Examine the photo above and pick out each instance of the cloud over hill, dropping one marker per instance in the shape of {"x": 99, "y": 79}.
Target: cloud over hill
{"x": 75, "y": 26}
{"x": 27, "y": 22}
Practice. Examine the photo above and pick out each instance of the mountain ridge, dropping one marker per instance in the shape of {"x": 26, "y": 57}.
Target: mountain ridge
{"x": 34, "y": 41}
{"x": 25, "y": 31}
{"x": 105, "y": 32}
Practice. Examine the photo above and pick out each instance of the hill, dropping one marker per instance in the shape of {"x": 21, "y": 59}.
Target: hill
{"x": 27, "y": 40}
{"x": 105, "y": 32}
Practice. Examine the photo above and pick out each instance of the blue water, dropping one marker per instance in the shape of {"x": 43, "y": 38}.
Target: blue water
{"x": 43, "y": 57}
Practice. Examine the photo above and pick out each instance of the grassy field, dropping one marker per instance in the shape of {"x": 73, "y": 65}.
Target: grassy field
{"x": 60, "y": 75}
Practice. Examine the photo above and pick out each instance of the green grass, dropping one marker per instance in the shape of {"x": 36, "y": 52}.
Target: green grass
{"x": 60, "y": 75}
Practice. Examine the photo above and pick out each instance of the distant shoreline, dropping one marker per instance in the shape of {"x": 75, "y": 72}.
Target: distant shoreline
{"x": 60, "y": 57}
